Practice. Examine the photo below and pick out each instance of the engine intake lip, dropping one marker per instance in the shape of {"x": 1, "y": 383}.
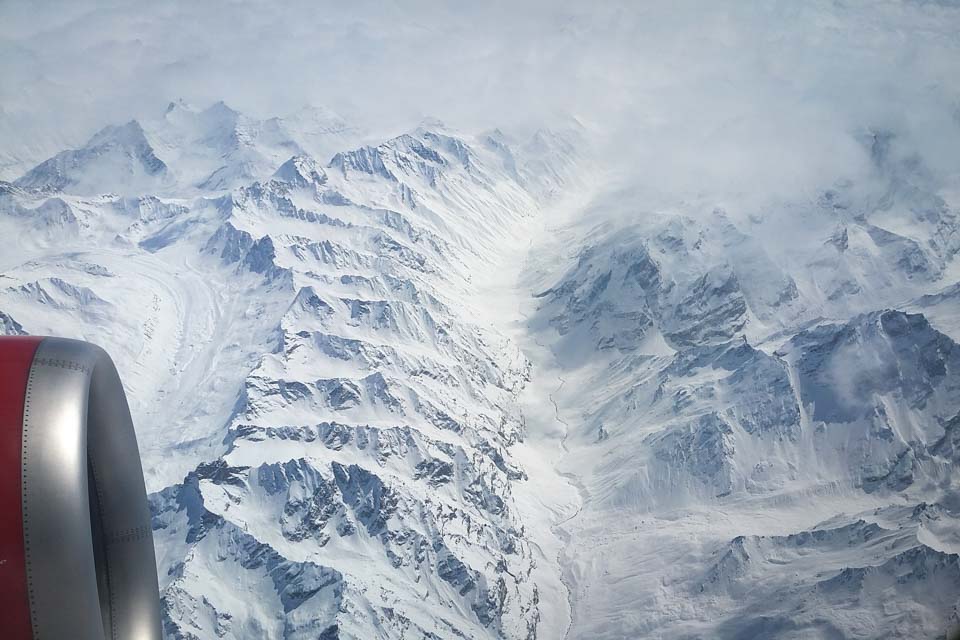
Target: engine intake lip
{"x": 79, "y": 561}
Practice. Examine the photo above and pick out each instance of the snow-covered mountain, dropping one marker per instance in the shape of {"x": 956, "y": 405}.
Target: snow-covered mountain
{"x": 765, "y": 407}
{"x": 189, "y": 151}
{"x": 115, "y": 155}
{"x": 327, "y": 424}
{"x": 458, "y": 386}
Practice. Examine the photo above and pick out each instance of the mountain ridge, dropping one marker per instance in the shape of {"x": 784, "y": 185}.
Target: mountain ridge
{"x": 345, "y": 402}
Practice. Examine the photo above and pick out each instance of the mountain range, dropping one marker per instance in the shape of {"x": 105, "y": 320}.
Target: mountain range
{"x": 451, "y": 385}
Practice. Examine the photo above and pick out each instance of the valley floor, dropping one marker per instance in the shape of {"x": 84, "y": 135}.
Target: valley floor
{"x": 555, "y": 495}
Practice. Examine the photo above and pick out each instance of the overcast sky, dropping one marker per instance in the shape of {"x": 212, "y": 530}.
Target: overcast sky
{"x": 724, "y": 92}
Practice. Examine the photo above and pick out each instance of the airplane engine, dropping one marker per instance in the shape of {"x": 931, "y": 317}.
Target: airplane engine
{"x": 76, "y": 545}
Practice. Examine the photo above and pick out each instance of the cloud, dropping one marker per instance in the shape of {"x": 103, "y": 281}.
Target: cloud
{"x": 689, "y": 96}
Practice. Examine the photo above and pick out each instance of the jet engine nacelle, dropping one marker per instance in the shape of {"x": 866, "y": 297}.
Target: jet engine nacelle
{"x": 76, "y": 545}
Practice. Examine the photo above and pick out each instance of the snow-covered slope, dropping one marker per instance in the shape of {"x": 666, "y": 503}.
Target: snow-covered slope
{"x": 189, "y": 151}
{"x": 761, "y": 409}
{"x": 327, "y": 427}
{"x": 116, "y": 158}
{"x": 446, "y": 385}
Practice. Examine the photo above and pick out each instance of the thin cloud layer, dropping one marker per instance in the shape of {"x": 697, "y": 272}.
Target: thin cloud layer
{"x": 693, "y": 97}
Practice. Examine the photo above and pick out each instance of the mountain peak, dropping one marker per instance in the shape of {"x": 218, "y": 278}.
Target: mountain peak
{"x": 130, "y": 134}
{"x": 117, "y": 158}
{"x": 301, "y": 170}
{"x": 221, "y": 108}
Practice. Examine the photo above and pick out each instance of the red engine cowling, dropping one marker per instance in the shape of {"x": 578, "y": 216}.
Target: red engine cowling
{"x": 76, "y": 545}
